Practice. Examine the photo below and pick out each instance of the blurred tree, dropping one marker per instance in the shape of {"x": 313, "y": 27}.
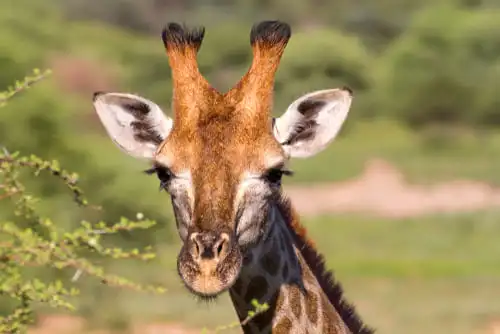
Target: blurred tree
{"x": 325, "y": 59}
{"x": 438, "y": 66}
{"x": 49, "y": 120}
{"x": 443, "y": 69}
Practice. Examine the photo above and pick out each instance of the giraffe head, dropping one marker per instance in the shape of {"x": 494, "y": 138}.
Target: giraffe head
{"x": 222, "y": 156}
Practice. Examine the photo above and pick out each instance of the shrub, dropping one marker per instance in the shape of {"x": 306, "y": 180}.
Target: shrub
{"x": 33, "y": 240}
{"x": 443, "y": 70}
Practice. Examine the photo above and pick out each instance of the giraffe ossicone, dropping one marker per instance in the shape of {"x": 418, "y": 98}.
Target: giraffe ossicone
{"x": 222, "y": 158}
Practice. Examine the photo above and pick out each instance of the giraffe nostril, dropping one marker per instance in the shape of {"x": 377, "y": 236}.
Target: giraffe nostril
{"x": 222, "y": 246}
{"x": 197, "y": 251}
{"x": 219, "y": 249}
{"x": 208, "y": 246}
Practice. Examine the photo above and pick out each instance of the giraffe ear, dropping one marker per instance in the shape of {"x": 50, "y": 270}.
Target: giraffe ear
{"x": 135, "y": 124}
{"x": 312, "y": 121}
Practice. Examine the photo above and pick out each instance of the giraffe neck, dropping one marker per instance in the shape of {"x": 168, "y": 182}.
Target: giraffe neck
{"x": 277, "y": 273}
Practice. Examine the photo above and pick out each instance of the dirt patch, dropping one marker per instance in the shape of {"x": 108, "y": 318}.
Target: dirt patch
{"x": 82, "y": 76}
{"x": 70, "y": 324}
{"x": 58, "y": 324}
{"x": 79, "y": 75}
{"x": 492, "y": 327}
{"x": 383, "y": 191}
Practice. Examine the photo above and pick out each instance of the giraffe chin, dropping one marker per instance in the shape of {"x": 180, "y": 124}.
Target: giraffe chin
{"x": 208, "y": 287}
{"x": 208, "y": 278}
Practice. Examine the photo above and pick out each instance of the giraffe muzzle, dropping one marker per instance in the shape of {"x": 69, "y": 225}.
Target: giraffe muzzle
{"x": 209, "y": 246}
{"x": 209, "y": 263}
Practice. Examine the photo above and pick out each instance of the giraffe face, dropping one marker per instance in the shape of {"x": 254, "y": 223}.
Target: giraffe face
{"x": 221, "y": 158}
{"x": 222, "y": 175}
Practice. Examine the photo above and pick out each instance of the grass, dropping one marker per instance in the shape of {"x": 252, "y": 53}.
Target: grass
{"x": 440, "y": 246}
{"x": 436, "y": 155}
{"x": 458, "y": 305}
{"x": 438, "y": 274}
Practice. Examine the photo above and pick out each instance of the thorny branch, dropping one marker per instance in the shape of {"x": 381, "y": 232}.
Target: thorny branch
{"x": 39, "y": 165}
{"x": 22, "y": 86}
{"x": 25, "y": 247}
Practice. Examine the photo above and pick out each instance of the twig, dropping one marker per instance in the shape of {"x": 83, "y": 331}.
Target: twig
{"x": 25, "y": 85}
{"x": 8, "y": 194}
{"x": 259, "y": 308}
{"x": 64, "y": 176}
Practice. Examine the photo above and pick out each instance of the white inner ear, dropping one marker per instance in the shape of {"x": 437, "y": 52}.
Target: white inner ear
{"x": 136, "y": 131}
{"x": 327, "y": 120}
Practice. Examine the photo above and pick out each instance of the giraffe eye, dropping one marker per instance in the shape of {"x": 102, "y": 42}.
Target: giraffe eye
{"x": 164, "y": 175}
{"x": 274, "y": 175}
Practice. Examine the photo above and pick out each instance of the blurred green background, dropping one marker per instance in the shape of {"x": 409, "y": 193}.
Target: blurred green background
{"x": 426, "y": 76}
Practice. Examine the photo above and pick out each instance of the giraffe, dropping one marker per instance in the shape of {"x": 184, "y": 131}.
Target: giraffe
{"x": 221, "y": 158}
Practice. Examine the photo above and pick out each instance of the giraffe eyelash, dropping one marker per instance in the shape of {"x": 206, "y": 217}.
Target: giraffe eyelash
{"x": 150, "y": 171}
{"x": 274, "y": 175}
{"x": 163, "y": 173}
{"x": 283, "y": 172}
{"x": 280, "y": 168}
{"x": 287, "y": 172}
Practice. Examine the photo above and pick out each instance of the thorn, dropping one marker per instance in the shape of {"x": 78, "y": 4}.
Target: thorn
{"x": 5, "y": 151}
{"x": 77, "y": 275}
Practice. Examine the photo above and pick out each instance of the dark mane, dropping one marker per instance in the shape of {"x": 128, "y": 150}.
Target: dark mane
{"x": 316, "y": 262}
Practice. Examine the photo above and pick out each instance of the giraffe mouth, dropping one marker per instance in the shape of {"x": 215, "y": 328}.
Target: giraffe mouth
{"x": 207, "y": 278}
{"x": 208, "y": 288}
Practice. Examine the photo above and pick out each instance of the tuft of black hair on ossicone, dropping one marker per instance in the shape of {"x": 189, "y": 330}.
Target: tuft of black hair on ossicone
{"x": 270, "y": 33}
{"x": 348, "y": 89}
{"x": 176, "y": 36}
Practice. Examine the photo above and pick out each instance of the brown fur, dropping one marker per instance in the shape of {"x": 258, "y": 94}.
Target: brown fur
{"x": 255, "y": 90}
{"x": 191, "y": 91}
{"x": 223, "y": 133}
{"x": 220, "y": 136}
{"x": 216, "y": 142}
{"x": 315, "y": 261}
{"x": 217, "y": 151}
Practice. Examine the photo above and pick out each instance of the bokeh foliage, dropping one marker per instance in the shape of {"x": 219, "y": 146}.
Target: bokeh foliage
{"x": 445, "y": 69}
{"x": 30, "y": 241}
{"x": 423, "y": 72}
{"x": 430, "y": 64}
